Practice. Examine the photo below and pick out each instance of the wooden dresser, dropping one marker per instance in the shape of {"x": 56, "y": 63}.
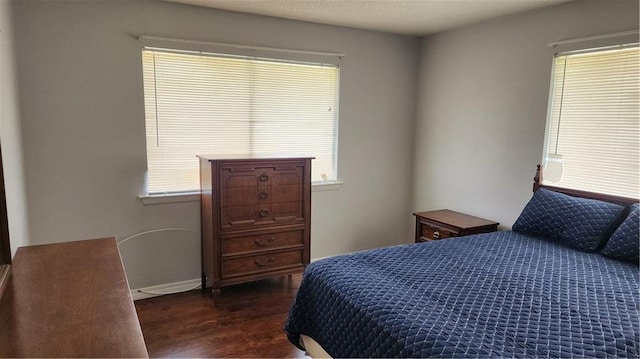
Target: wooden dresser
{"x": 256, "y": 218}
{"x": 69, "y": 300}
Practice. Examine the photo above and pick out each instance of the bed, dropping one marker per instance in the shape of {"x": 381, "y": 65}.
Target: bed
{"x": 563, "y": 283}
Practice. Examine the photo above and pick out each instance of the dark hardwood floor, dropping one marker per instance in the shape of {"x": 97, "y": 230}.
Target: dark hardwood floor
{"x": 245, "y": 320}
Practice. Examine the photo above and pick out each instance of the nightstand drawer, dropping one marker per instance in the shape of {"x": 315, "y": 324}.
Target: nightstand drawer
{"x": 430, "y": 232}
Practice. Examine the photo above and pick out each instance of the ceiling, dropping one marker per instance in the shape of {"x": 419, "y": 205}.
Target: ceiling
{"x": 406, "y": 17}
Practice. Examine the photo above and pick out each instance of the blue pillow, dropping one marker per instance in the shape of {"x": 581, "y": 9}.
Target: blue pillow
{"x": 624, "y": 244}
{"x": 581, "y": 223}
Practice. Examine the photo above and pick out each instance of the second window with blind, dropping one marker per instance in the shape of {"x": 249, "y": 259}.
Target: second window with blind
{"x": 198, "y": 103}
{"x": 593, "y": 137}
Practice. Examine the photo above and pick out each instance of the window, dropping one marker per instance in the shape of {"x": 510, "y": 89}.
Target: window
{"x": 203, "y": 103}
{"x": 593, "y": 126}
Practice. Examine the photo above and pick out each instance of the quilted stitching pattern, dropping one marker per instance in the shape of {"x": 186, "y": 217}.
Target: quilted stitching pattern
{"x": 578, "y": 222}
{"x": 499, "y": 294}
{"x": 625, "y": 242}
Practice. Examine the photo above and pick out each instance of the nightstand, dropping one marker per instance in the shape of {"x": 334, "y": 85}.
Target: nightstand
{"x": 433, "y": 225}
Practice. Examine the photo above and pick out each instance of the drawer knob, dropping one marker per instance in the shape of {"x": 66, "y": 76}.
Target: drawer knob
{"x": 264, "y": 243}
{"x": 261, "y": 264}
{"x": 263, "y": 177}
{"x": 436, "y": 234}
{"x": 263, "y": 213}
{"x": 264, "y": 195}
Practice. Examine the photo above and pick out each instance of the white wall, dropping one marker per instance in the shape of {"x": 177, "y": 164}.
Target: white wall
{"x": 482, "y": 105}
{"x": 81, "y": 100}
{"x": 10, "y": 134}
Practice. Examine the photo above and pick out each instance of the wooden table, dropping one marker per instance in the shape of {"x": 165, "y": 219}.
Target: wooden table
{"x": 69, "y": 300}
{"x": 440, "y": 224}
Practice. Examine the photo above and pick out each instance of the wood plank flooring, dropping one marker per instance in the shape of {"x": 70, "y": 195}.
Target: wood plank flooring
{"x": 245, "y": 320}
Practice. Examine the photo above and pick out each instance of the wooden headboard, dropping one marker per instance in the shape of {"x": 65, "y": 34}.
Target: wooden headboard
{"x": 537, "y": 184}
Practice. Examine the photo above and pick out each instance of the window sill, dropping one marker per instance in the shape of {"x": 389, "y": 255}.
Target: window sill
{"x": 326, "y": 186}
{"x": 170, "y": 198}
{"x": 195, "y": 196}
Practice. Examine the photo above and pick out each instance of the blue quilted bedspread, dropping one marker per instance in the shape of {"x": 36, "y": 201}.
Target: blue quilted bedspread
{"x": 500, "y": 294}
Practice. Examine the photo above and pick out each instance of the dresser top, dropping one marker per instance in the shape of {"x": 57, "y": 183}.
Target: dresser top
{"x": 69, "y": 300}
{"x": 245, "y": 157}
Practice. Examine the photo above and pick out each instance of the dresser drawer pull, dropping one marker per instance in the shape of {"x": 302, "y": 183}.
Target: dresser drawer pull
{"x": 436, "y": 234}
{"x": 263, "y": 213}
{"x": 264, "y": 195}
{"x": 263, "y": 177}
{"x": 262, "y": 244}
{"x": 260, "y": 264}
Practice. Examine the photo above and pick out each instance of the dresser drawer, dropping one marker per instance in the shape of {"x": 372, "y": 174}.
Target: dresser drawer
{"x": 279, "y": 174}
{"x": 246, "y": 207}
{"x": 262, "y": 216}
{"x": 431, "y": 231}
{"x": 261, "y": 263}
{"x": 240, "y": 245}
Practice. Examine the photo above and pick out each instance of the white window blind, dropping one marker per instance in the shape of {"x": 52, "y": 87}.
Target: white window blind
{"x": 593, "y": 126}
{"x": 205, "y": 104}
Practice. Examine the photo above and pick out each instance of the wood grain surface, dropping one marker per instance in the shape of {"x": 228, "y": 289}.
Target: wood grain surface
{"x": 455, "y": 219}
{"x": 243, "y": 321}
{"x": 254, "y": 208}
{"x": 444, "y": 223}
{"x": 69, "y": 300}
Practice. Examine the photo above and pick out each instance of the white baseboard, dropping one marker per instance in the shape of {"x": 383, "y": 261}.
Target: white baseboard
{"x": 163, "y": 289}
{"x": 176, "y": 287}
